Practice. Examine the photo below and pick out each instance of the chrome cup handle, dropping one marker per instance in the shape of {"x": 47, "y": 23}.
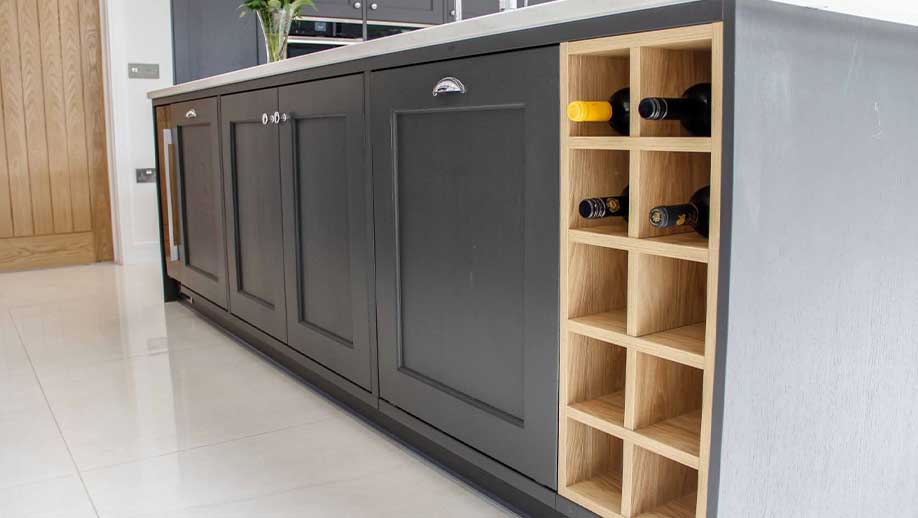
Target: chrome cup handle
{"x": 449, "y": 85}
{"x": 191, "y": 114}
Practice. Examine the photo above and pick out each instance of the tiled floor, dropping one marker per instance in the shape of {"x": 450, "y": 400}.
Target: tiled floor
{"x": 113, "y": 404}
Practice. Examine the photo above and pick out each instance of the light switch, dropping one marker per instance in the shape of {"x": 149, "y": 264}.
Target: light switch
{"x": 146, "y": 175}
{"x": 143, "y": 71}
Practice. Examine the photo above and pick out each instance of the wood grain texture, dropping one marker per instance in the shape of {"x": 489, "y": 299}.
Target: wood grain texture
{"x": 598, "y": 280}
{"x": 93, "y": 89}
{"x": 717, "y": 116}
{"x": 24, "y": 253}
{"x": 665, "y": 323}
{"x": 595, "y": 78}
{"x": 75, "y": 114}
{"x": 595, "y": 478}
{"x": 658, "y": 482}
{"x": 14, "y": 120}
{"x": 55, "y": 115}
{"x": 33, "y": 94}
{"x": 664, "y": 293}
{"x": 52, "y": 114}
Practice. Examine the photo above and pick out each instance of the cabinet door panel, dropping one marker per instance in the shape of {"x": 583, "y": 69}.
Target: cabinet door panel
{"x": 335, "y": 9}
{"x": 412, "y": 11}
{"x": 254, "y": 218}
{"x": 326, "y": 187}
{"x": 199, "y": 182}
{"x": 466, "y": 213}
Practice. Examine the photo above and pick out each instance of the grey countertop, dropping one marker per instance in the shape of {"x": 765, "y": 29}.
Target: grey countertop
{"x": 540, "y": 15}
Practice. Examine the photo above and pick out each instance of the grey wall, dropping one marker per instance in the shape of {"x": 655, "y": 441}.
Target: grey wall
{"x": 820, "y": 417}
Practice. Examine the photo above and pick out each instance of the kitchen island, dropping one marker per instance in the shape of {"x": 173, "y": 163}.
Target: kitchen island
{"x": 396, "y": 223}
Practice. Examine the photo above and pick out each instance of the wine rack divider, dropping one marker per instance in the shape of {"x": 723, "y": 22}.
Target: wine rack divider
{"x": 638, "y": 306}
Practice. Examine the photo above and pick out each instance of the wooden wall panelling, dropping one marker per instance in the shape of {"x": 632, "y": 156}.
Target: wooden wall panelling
{"x": 55, "y": 115}
{"x": 14, "y": 120}
{"x": 77, "y": 159}
{"x": 33, "y": 105}
{"x": 93, "y": 88}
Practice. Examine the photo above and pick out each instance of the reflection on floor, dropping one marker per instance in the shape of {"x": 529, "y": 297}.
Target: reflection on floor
{"x": 113, "y": 404}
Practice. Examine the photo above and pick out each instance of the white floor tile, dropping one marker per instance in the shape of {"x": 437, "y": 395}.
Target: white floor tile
{"x": 328, "y": 451}
{"x": 56, "y": 498}
{"x": 31, "y": 449}
{"x": 412, "y": 491}
{"x": 125, "y": 410}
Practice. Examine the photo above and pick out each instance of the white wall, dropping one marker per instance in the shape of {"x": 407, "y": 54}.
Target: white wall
{"x": 138, "y": 31}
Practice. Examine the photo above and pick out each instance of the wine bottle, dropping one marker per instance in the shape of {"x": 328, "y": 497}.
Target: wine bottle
{"x": 617, "y": 111}
{"x": 693, "y": 109}
{"x": 605, "y": 207}
{"x": 694, "y": 214}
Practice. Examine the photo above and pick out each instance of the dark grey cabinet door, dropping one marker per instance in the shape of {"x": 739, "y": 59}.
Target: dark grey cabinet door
{"x": 472, "y": 8}
{"x": 199, "y": 189}
{"x": 336, "y": 9}
{"x": 210, "y": 38}
{"x": 411, "y": 11}
{"x": 326, "y": 186}
{"x": 466, "y": 217}
{"x": 254, "y": 219}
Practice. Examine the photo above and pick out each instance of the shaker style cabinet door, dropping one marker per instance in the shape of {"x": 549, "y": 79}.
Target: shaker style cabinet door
{"x": 326, "y": 186}
{"x": 411, "y": 11}
{"x": 336, "y": 9}
{"x": 255, "y": 246}
{"x": 466, "y": 216}
{"x": 198, "y": 184}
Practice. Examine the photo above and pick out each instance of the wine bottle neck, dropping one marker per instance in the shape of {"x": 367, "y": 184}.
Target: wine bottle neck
{"x": 674, "y": 215}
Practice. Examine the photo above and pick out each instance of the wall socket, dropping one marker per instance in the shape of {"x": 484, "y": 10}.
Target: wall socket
{"x": 143, "y": 71}
{"x": 146, "y": 175}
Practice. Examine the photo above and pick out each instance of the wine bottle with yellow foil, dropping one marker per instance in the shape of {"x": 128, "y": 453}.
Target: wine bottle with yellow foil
{"x": 695, "y": 213}
{"x": 605, "y": 207}
{"x": 616, "y": 111}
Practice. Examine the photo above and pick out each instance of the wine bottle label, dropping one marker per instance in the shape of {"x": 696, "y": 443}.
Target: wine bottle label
{"x": 676, "y": 215}
{"x": 596, "y": 208}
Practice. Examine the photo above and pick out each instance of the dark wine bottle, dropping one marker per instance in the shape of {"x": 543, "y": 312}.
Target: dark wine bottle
{"x": 694, "y": 214}
{"x": 693, "y": 109}
{"x": 605, "y": 207}
{"x": 617, "y": 111}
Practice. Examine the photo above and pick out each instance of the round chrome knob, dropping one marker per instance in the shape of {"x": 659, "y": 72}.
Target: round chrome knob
{"x": 374, "y": 7}
{"x": 264, "y": 119}
{"x": 452, "y": 13}
{"x": 357, "y": 5}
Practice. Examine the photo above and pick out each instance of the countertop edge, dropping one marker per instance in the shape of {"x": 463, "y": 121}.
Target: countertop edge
{"x": 552, "y": 13}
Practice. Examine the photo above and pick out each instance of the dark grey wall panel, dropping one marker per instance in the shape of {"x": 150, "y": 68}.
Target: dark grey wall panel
{"x": 819, "y": 414}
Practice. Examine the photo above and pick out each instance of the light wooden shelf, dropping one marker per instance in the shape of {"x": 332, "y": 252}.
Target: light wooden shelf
{"x": 614, "y": 143}
{"x": 683, "y": 345}
{"x": 686, "y": 246}
{"x": 602, "y": 411}
{"x": 677, "y": 439}
{"x": 602, "y": 494}
{"x": 683, "y": 507}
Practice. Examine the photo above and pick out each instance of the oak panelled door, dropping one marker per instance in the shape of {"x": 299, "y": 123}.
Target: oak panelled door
{"x": 54, "y": 193}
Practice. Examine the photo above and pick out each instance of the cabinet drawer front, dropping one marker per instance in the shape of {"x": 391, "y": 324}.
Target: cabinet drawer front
{"x": 199, "y": 188}
{"x": 466, "y": 199}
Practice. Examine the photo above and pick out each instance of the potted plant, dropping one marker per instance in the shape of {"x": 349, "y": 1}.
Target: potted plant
{"x": 275, "y": 17}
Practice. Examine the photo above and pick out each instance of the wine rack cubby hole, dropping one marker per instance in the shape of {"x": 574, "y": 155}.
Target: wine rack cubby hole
{"x": 638, "y": 304}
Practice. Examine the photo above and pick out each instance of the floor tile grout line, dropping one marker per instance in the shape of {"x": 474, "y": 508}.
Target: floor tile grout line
{"x": 57, "y": 423}
{"x": 202, "y": 446}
